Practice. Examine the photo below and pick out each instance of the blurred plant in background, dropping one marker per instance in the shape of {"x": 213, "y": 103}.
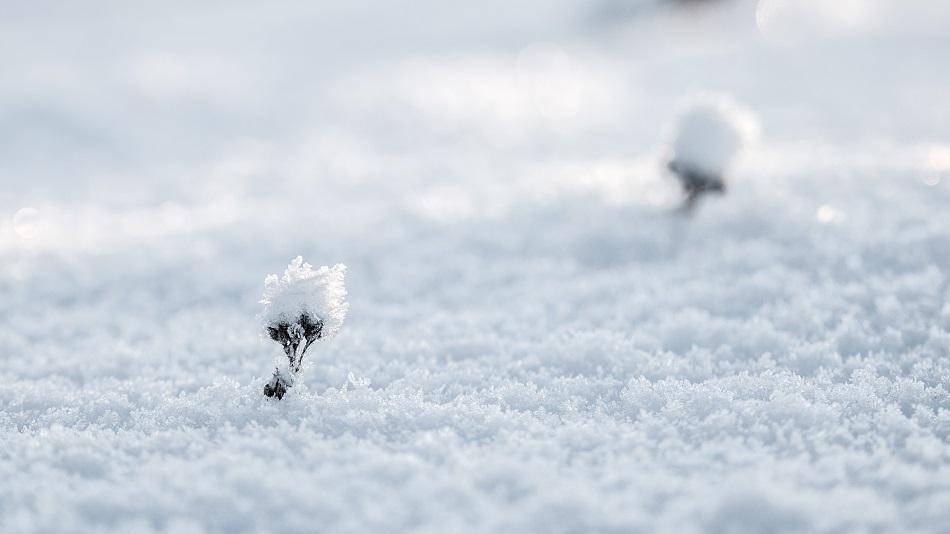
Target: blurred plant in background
{"x": 708, "y": 137}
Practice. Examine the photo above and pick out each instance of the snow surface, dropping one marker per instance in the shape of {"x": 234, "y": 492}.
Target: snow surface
{"x": 535, "y": 342}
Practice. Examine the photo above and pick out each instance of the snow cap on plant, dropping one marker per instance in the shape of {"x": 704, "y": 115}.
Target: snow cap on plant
{"x": 708, "y": 135}
{"x": 320, "y": 294}
{"x": 710, "y": 132}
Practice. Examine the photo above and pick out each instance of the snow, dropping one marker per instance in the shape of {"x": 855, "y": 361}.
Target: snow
{"x": 320, "y": 294}
{"x": 710, "y": 133}
{"x": 535, "y": 341}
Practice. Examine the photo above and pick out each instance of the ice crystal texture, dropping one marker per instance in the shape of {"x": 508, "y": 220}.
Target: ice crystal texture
{"x": 534, "y": 344}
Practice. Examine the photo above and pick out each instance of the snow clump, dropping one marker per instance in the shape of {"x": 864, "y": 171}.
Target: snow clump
{"x": 708, "y": 136}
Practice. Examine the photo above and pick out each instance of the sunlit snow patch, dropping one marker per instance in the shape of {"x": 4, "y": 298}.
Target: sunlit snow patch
{"x": 796, "y": 21}
{"x": 829, "y": 215}
{"x": 27, "y": 223}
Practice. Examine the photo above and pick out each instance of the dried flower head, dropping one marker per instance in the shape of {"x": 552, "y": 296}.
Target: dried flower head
{"x": 300, "y": 307}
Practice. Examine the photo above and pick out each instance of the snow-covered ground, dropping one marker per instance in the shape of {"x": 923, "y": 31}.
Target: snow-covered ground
{"x": 535, "y": 342}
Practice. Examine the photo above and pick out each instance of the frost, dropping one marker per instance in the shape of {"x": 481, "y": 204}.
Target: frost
{"x": 532, "y": 345}
{"x": 320, "y": 293}
{"x": 300, "y": 307}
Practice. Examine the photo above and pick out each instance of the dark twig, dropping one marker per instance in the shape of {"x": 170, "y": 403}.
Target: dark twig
{"x": 696, "y": 183}
{"x": 290, "y": 336}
